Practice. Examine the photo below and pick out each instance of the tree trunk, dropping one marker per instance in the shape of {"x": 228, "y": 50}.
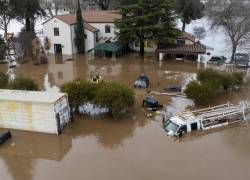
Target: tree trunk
{"x": 142, "y": 46}
{"x": 234, "y": 48}
{"x": 183, "y": 25}
{"x": 27, "y": 24}
{"x": 5, "y": 30}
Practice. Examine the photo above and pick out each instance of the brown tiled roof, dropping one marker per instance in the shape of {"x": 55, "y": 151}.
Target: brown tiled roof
{"x": 185, "y": 35}
{"x": 89, "y": 27}
{"x": 90, "y": 17}
{"x": 196, "y": 48}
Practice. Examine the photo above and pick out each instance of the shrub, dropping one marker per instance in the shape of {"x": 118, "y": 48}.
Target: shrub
{"x": 3, "y": 80}
{"x": 47, "y": 44}
{"x": 79, "y": 92}
{"x": 200, "y": 93}
{"x": 209, "y": 75}
{"x": 23, "y": 83}
{"x": 115, "y": 96}
{"x": 211, "y": 83}
{"x": 238, "y": 78}
{"x": 110, "y": 95}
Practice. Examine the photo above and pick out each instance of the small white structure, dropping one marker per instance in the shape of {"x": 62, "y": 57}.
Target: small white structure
{"x": 34, "y": 111}
{"x": 99, "y": 28}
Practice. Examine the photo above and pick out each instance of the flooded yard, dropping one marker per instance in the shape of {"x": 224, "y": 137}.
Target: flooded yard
{"x": 131, "y": 148}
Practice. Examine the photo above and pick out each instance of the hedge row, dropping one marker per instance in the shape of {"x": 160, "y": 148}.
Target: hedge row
{"x": 19, "y": 83}
{"x": 112, "y": 95}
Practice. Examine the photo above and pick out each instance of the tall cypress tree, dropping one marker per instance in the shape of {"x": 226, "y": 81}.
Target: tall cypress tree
{"x": 147, "y": 19}
{"x": 80, "y": 36}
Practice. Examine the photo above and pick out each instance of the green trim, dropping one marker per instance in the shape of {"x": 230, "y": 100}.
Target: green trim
{"x": 113, "y": 47}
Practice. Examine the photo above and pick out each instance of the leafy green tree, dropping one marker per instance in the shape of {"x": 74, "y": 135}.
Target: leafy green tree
{"x": 80, "y": 36}
{"x": 189, "y": 10}
{"x": 146, "y": 19}
{"x": 27, "y": 10}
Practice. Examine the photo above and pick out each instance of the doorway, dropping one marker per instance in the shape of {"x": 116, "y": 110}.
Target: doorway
{"x": 58, "y": 48}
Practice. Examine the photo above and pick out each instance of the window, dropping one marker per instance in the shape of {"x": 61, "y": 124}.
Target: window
{"x": 171, "y": 126}
{"x": 183, "y": 129}
{"x": 56, "y": 32}
{"x": 181, "y": 42}
{"x": 107, "y": 29}
{"x": 194, "y": 126}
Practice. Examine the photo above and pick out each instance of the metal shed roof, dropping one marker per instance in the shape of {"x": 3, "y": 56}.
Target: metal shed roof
{"x": 111, "y": 47}
{"x": 30, "y": 96}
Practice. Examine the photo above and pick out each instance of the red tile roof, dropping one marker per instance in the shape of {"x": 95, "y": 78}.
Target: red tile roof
{"x": 185, "y": 35}
{"x": 90, "y": 17}
{"x": 89, "y": 27}
{"x": 196, "y": 48}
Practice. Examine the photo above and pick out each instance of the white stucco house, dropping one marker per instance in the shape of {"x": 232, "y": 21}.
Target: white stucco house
{"x": 99, "y": 28}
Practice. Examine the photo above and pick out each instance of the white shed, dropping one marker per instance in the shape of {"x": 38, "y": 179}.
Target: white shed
{"x": 34, "y": 111}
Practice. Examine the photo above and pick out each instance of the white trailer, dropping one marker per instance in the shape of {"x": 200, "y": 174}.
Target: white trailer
{"x": 204, "y": 119}
{"x": 34, "y": 111}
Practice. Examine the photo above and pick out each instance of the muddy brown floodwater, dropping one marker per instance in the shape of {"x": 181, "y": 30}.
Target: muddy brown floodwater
{"x": 133, "y": 148}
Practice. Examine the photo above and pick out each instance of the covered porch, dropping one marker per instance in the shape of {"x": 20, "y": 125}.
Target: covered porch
{"x": 109, "y": 49}
{"x": 192, "y": 52}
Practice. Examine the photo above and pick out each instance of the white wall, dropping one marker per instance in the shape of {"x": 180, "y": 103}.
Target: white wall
{"x": 67, "y": 35}
{"x": 101, "y": 32}
{"x": 38, "y": 117}
{"x": 64, "y": 37}
{"x": 146, "y": 49}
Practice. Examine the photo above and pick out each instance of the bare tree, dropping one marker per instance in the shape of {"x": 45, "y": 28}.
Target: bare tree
{"x": 234, "y": 19}
{"x": 51, "y": 5}
{"x": 199, "y": 32}
{"x": 100, "y": 4}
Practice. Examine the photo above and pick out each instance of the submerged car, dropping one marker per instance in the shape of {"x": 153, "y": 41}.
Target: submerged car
{"x": 150, "y": 102}
{"x": 218, "y": 60}
{"x": 241, "y": 60}
{"x": 173, "y": 89}
{"x": 142, "y": 82}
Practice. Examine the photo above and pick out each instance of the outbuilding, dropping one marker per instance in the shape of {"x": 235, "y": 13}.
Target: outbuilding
{"x": 34, "y": 111}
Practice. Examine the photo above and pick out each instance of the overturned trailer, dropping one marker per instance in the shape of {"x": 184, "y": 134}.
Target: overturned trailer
{"x": 34, "y": 111}
{"x": 204, "y": 119}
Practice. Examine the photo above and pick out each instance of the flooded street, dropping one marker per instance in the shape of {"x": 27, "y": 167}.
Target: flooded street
{"x": 132, "y": 148}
